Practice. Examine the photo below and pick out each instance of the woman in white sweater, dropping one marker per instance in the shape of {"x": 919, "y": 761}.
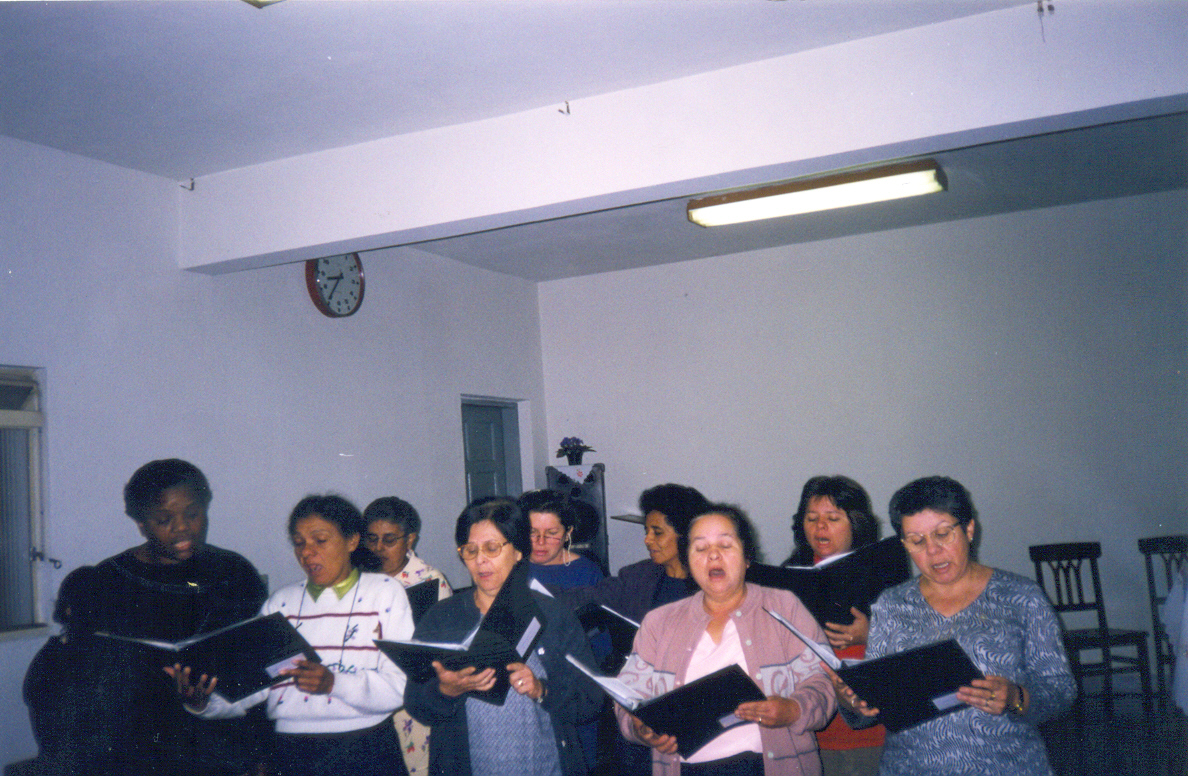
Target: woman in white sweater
{"x": 333, "y": 716}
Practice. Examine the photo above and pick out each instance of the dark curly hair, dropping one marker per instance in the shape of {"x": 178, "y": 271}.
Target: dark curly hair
{"x": 848, "y": 496}
{"x": 147, "y": 483}
{"x": 940, "y": 494}
{"x": 343, "y": 515}
{"x": 511, "y": 521}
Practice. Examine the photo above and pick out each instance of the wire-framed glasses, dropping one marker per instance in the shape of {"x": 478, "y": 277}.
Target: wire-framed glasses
{"x": 491, "y": 549}
{"x": 942, "y": 536}
{"x": 386, "y": 540}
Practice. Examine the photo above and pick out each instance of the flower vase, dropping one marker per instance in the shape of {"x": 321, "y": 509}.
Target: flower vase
{"x": 575, "y": 458}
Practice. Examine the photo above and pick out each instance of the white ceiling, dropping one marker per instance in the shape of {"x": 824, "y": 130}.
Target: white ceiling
{"x": 183, "y": 88}
{"x": 186, "y": 88}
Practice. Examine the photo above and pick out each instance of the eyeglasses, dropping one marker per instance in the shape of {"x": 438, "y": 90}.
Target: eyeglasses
{"x": 491, "y": 549}
{"x": 547, "y": 536}
{"x": 387, "y": 540}
{"x": 942, "y": 536}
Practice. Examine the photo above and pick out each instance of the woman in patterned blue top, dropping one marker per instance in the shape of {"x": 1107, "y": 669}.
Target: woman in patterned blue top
{"x": 1002, "y": 620}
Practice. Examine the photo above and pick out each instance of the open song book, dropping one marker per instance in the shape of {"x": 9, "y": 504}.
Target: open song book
{"x": 907, "y": 687}
{"x": 695, "y": 713}
{"x": 506, "y": 634}
{"x": 246, "y": 657}
{"x": 852, "y": 579}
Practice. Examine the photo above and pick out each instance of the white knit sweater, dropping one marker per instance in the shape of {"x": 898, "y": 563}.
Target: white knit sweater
{"x": 367, "y": 685}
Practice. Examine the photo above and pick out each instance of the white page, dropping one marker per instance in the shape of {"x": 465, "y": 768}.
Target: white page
{"x": 823, "y": 652}
{"x": 624, "y": 695}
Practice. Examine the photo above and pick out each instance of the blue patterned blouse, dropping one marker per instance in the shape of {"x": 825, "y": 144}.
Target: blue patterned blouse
{"x": 1009, "y": 630}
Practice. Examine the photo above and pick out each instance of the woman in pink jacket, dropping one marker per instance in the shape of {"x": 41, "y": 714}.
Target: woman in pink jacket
{"x": 726, "y": 623}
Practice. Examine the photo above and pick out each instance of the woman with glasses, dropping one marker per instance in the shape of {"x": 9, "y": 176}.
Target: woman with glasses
{"x": 392, "y": 529}
{"x": 1002, "y": 620}
{"x": 553, "y": 518}
{"x": 534, "y": 730}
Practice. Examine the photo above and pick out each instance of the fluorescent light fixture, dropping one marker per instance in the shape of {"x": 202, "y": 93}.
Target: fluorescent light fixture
{"x": 843, "y": 189}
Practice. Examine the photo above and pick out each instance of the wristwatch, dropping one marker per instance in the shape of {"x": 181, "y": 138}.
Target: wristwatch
{"x": 1017, "y": 706}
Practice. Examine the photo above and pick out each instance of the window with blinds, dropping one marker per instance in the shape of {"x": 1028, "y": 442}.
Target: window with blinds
{"x": 21, "y": 422}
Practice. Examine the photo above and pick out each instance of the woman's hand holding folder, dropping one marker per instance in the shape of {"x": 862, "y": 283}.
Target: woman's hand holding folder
{"x": 456, "y": 683}
{"x": 848, "y": 697}
{"x": 772, "y": 712}
{"x": 661, "y": 743}
{"x": 843, "y": 636}
{"x": 193, "y": 694}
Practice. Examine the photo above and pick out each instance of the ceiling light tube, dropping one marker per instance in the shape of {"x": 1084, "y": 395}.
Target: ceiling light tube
{"x": 843, "y": 189}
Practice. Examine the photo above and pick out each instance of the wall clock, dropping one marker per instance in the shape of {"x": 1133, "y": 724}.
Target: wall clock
{"x": 335, "y": 284}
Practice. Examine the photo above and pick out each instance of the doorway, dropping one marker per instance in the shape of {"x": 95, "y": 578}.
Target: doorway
{"x": 491, "y": 448}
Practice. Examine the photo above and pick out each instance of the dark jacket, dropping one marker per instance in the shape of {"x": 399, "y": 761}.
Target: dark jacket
{"x": 631, "y": 593}
{"x": 571, "y": 698}
{"x": 102, "y": 706}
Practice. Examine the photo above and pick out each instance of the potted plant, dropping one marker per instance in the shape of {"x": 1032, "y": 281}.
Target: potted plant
{"x": 572, "y": 449}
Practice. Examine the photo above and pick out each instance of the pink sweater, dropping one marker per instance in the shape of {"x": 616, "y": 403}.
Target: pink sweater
{"x": 778, "y": 662}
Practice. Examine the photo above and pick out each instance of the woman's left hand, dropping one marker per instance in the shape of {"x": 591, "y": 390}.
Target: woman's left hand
{"x": 775, "y": 712}
{"x": 310, "y": 677}
{"x": 842, "y": 636}
{"x": 992, "y": 695}
{"x": 524, "y": 681}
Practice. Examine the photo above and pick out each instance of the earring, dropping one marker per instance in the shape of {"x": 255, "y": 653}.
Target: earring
{"x": 568, "y": 559}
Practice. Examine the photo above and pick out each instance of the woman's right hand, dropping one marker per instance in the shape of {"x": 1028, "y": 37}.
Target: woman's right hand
{"x": 456, "y": 683}
{"x": 193, "y": 694}
{"x": 662, "y": 744}
{"x": 842, "y": 636}
{"x": 847, "y": 697}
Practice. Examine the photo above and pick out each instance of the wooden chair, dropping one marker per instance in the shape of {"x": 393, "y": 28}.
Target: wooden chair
{"x": 1166, "y": 557}
{"x": 1069, "y": 592}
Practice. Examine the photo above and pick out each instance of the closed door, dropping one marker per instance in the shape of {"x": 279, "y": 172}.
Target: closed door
{"x": 490, "y": 437}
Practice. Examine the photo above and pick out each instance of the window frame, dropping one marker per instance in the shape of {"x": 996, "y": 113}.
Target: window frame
{"x": 33, "y": 419}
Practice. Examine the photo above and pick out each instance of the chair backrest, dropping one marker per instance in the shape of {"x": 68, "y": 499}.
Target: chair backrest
{"x": 1065, "y": 581}
{"x": 1166, "y": 558}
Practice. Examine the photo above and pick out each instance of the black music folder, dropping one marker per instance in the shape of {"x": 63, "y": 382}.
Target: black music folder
{"x": 830, "y": 588}
{"x": 596, "y": 618}
{"x": 907, "y": 687}
{"x": 246, "y": 657}
{"x": 506, "y": 634}
{"x": 695, "y": 713}
{"x": 421, "y": 597}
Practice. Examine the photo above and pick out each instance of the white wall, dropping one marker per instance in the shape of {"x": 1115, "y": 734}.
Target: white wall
{"x": 237, "y": 373}
{"x": 1037, "y": 357}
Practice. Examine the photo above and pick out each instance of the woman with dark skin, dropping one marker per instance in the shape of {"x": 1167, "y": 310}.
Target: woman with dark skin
{"x": 110, "y": 713}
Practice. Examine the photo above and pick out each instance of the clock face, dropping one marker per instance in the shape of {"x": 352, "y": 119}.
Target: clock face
{"x": 335, "y": 284}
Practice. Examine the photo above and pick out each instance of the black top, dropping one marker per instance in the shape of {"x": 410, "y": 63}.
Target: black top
{"x": 107, "y": 704}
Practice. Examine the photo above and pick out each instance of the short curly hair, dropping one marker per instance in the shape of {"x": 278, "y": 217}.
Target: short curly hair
{"x": 147, "y": 483}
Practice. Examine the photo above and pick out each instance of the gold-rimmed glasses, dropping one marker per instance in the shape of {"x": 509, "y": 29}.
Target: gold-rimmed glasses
{"x": 546, "y": 536}
{"x": 942, "y": 536}
{"x": 490, "y": 549}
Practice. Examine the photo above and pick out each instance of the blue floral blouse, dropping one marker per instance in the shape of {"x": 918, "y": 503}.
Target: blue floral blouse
{"x": 1009, "y": 630}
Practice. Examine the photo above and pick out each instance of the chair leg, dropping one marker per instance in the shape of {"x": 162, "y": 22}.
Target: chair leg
{"x": 1145, "y": 678}
{"x": 1107, "y": 682}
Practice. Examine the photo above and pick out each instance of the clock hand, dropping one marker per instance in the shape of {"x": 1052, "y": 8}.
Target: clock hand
{"x": 337, "y": 279}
